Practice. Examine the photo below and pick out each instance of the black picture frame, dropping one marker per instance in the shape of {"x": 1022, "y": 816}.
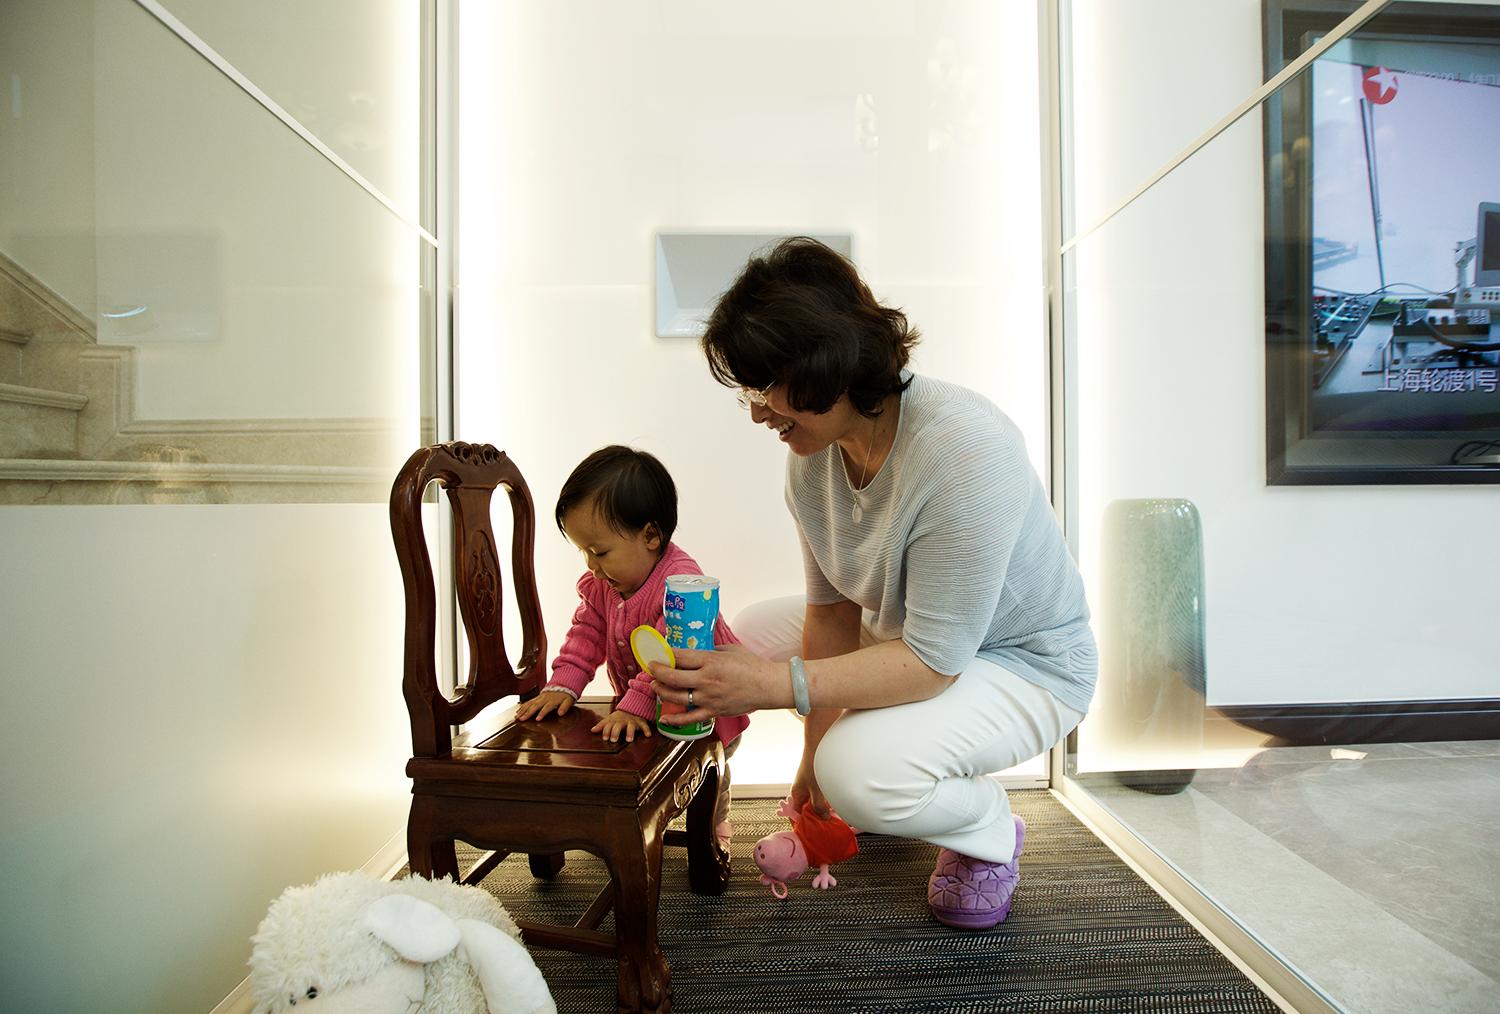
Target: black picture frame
{"x": 1298, "y": 451}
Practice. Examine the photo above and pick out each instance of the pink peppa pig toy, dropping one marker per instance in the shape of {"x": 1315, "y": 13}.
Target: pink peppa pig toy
{"x": 813, "y": 841}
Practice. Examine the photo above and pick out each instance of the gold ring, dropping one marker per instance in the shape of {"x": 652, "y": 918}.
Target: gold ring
{"x": 690, "y": 698}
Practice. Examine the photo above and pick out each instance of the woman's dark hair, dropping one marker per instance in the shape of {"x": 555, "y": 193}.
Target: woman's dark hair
{"x": 629, "y": 488}
{"x": 800, "y": 317}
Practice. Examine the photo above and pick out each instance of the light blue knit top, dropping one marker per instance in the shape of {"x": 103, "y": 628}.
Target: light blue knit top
{"x": 957, "y": 550}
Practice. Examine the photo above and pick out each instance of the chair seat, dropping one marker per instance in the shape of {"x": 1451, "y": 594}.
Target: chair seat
{"x": 559, "y": 754}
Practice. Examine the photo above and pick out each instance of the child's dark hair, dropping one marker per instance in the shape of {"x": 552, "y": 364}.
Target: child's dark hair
{"x": 629, "y": 488}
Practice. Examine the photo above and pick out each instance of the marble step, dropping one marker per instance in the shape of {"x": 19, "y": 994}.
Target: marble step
{"x": 164, "y": 480}
{"x": 38, "y": 423}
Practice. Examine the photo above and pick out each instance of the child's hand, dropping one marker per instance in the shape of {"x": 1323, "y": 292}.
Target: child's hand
{"x": 617, "y": 722}
{"x": 544, "y": 704}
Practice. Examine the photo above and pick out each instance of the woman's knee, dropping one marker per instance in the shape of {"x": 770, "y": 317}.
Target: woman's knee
{"x": 772, "y": 628}
{"x": 859, "y": 773}
{"x": 841, "y": 776}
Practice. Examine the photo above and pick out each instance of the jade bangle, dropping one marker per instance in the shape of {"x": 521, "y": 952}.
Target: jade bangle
{"x": 800, "y": 695}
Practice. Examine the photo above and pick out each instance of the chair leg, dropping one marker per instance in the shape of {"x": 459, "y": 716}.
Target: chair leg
{"x": 429, "y": 854}
{"x": 643, "y": 979}
{"x": 708, "y": 861}
{"x": 432, "y": 859}
{"x": 547, "y": 866}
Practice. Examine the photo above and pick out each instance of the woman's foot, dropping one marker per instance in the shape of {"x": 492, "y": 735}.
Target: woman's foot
{"x": 724, "y": 832}
{"x": 969, "y": 893}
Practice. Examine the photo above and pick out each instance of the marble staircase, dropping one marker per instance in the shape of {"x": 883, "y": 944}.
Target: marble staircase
{"x": 41, "y": 402}
{"x": 68, "y": 432}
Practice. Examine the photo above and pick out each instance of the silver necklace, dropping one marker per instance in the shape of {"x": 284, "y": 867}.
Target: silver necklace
{"x": 858, "y": 513}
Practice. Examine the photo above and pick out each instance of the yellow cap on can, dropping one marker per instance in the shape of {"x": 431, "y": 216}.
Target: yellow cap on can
{"x": 647, "y": 645}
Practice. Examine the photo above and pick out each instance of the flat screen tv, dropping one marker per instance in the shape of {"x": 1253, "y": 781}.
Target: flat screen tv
{"x": 1383, "y": 246}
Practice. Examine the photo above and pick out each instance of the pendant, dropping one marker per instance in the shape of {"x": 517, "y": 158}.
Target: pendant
{"x": 859, "y": 512}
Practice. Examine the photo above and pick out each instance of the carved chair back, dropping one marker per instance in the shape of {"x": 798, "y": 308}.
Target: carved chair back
{"x": 470, "y": 473}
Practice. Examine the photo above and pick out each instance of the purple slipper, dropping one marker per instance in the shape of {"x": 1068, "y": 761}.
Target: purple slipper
{"x": 969, "y": 893}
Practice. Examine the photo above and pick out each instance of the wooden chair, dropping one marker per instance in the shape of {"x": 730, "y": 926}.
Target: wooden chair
{"x": 539, "y": 787}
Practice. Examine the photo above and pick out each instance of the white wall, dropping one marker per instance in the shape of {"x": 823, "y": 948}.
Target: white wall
{"x": 1314, "y": 594}
{"x": 588, "y": 126}
{"x": 202, "y": 707}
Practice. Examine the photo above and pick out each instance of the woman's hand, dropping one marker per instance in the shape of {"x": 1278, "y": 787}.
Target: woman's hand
{"x": 805, "y": 789}
{"x": 617, "y": 722}
{"x": 732, "y": 680}
{"x": 544, "y": 704}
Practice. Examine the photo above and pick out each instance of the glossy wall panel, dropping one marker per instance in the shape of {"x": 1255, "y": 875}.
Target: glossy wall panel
{"x": 1168, "y": 318}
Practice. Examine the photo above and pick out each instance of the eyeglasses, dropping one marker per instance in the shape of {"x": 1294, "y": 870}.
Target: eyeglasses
{"x": 748, "y": 396}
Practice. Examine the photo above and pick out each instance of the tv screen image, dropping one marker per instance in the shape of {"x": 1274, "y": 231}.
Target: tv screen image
{"x": 1383, "y": 322}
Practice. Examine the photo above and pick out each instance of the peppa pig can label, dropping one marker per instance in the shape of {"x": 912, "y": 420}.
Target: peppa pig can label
{"x": 690, "y": 606}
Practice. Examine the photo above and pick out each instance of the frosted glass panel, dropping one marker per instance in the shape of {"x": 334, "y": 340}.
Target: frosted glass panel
{"x": 211, "y": 348}
{"x": 1288, "y": 709}
{"x": 347, "y": 70}
{"x": 231, "y": 319}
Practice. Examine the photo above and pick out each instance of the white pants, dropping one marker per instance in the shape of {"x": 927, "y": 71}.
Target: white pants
{"x": 920, "y": 770}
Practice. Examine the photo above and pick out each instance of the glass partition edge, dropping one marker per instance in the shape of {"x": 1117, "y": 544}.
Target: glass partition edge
{"x": 1268, "y": 969}
{"x": 443, "y": 17}
{"x": 1344, "y": 28}
{"x": 170, "y": 21}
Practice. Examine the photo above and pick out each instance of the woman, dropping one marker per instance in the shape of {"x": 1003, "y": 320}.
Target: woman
{"x": 944, "y": 633}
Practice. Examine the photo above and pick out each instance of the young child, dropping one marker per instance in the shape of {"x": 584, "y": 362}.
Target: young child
{"x": 619, "y": 507}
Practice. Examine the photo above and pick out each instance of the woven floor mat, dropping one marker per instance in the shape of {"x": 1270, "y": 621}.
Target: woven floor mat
{"x": 1084, "y": 933}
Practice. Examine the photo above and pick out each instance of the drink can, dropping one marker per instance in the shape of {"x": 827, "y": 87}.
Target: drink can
{"x": 690, "y": 606}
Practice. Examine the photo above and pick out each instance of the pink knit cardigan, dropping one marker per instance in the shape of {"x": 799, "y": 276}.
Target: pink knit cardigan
{"x": 601, "y": 633}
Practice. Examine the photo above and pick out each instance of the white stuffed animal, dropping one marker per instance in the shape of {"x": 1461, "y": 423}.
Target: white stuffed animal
{"x": 352, "y": 944}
